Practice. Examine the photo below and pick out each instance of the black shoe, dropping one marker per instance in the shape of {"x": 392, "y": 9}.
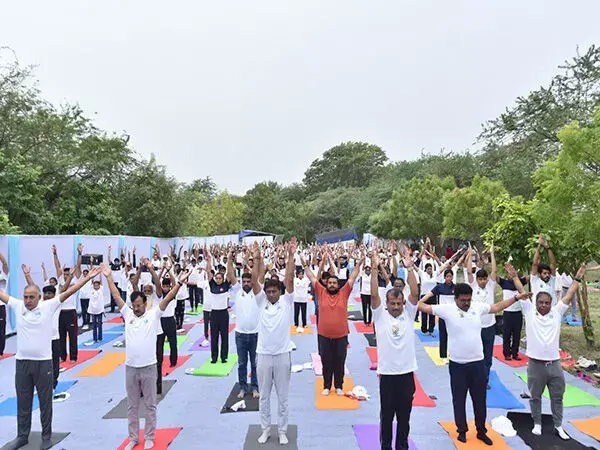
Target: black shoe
{"x": 488, "y": 387}
{"x": 224, "y": 361}
{"x": 517, "y": 358}
{"x": 507, "y": 357}
{"x": 46, "y": 444}
{"x": 213, "y": 361}
{"x": 484, "y": 438}
{"x": 17, "y": 443}
{"x": 462, "y": 437}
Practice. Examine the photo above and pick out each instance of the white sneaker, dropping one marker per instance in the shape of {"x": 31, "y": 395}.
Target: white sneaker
{"x": 89, "y": 343}
{"x": 181, "y": 330}
{"x": 325, "y": 392}
{"x": 339, "y": 392}
{"x": 205, "y": 343}
{"x": 283, "y": 440}
{"x": 299, "y": 330}
{"x": 264, "y": 437}
{"x": 537, "y": 430}
{"x": 131, "y": 445}
{"x": 148, "y": 444}
{"x": 564, "y": 436}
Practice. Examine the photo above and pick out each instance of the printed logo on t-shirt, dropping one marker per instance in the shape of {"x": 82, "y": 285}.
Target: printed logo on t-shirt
{"x": 395, "y": 331}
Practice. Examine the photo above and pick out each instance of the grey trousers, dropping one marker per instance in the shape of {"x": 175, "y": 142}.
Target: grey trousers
{"x": 141, "y": 380}
{"x": 30, "y": 374}
{"x": 539, "y": 375}
{"x": 274, "y": 370}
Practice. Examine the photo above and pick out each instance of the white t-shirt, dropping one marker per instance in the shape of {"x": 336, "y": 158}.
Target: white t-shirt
{"x": 464, "y": 330}
{"x": 485, "y": 295}
{"x": 395, "y": 340}
{"x": 71, "y": 302}
{"x": 170, "y": 309}
{"x": 246, "y": 310}
{"x": 301, "y": 289}
{"x": 86, "y": 290}
{"x": 365, "y": 284}
{"x": 274, "y": 324}
{"x": 140, "y": 335}
{"x": 538, "y": 285}
{"x": 96, "y": 301}
{"x": 183, "y": 293}
{"x": 34, "y": 328}
{"x": 194, "y": 276}
{"x": 3, "y": 283}
{"x": 543, "y": 332}
{"x": 428, "y": 282}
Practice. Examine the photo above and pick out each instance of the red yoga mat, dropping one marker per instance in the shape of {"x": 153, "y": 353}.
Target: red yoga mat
{"x": 166, "y": 365}
{"x": 362, "y": 328}
{"x": 82, "y": 356}
{"x": 313, "y": 319}
{"x": 162, "y": 439}
{"x": 6, "y": 356}
{"x": 512, "y": 363}
{"x": 118, "y": 319}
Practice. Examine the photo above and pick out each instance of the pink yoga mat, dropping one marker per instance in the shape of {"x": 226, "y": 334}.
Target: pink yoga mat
{"x": 367, "y": 437}
{"x": 318, "y": 366}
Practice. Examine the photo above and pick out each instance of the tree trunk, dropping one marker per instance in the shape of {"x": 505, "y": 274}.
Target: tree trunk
{"x": 586, "y": 323}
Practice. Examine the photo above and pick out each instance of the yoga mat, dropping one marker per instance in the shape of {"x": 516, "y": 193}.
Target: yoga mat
{"x": 318, "y": 365}
{"x": 371, "y": 339}
{"x": 358, "y": 299}
{"x": 313, "y": 319}
{"x": 591, "y": 427}
{"x": 196, "y": 347}
{"x": 372, "y": 353}
{"x": 424, "y": 338}
{"x": 106, "y": 365}
{"x": 523, "y": 423}
{"x": 186, "y": 329}
{"x": 181, "y": 338}
{"x": 107, "y": 336}
{"x": 421, "y": 398}
{"x": 573, "y": 395}
{"x": 417, "y": 326}
{"x": 35, "y": 440}
{"x": 499, "y": 396}
{"x": 162, "y": 439}
{"x": 367, "y": 437}
{"x": 166, "y": 366}
{"x": 217, "y": 369}
{"x": 251, "y": 402}
{"x": 9, "y": 406}
{"x": 362, "y": 328}
{"x": 118, "y": 319}
{"x": 572, "y": 322}
{"x": 189, "y": 312}
{"x": 231, "y": 328}
{"x": 434, "y": 354}
{"x": 355, "y": 315}
{"x": 334, "y": 401}
{"x": 120, "y": 410}
{"x": 472, "y": 442}
{"x": 117, "y": 329}
{"x": 254, "y": 431}
{"x": 82, "y": 356}
{"x": 6, "y": 356}
{"x": 293, "y": 332}
{"x": 350, "y": 307}
{"x": 512, "y": 363}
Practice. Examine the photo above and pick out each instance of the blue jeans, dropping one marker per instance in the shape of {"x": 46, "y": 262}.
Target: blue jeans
{"x": 97, "y": 326}
{"x": 246, "y": 344}
{"x": 487, "y": 338}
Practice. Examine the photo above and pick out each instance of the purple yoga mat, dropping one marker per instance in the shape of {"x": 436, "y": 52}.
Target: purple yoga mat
{"x": 367, "y": 436}
{"x": 195, "y": 347}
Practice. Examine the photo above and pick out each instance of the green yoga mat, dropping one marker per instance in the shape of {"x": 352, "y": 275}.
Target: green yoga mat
{"x": 350, "y": 307}
{"x": 189, "y": 312}
{"x": 181, "y": 338}
{"x": 573, "y": 395}
{"x": 218, "y": 369}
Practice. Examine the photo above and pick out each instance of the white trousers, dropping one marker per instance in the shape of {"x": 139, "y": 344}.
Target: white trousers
{"x": 274, "y": 370}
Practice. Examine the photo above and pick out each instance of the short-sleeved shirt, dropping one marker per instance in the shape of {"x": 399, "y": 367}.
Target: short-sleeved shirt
{"x": 395, "y": 340}
{"x": 140, "y": 335}
{"x": 246, "y": 310}
{"x": 485, "y": 295}
{"x": 444, "y": 292}
{"x": 333, "y": 311}
{"x": 509, "y": 290}
{"x": 274, "y": 324}
{"x": 301, "y": 289}
{"x": 539, "y": 285}
{"x": 543, "y": 332}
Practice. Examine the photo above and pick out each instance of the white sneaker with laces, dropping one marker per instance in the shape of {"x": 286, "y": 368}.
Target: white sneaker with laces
{"x": 325, "y": 392}
{"x": 283, "y": 440}
{"x": 205, "y": 343}
{"x": 339, "y": 392}
{"x": 537, "y": 430}
{"x": 264, "y": 437}
{"x": 564, "y": 436}
{"x": 131, "y": 445}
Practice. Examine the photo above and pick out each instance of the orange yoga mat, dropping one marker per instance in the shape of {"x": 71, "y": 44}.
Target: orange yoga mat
{"x": 307, "y": 330}
{"x": 103, "y": 366}
{"x": 82, "y": 356}
{"x": 166, "y": 366}
{"x": 162, "y": 439}
{"x": 591, "y": 427}
{"x": 472, "y": 442}
{"x": 334, "y": 401}
{"x": 362, "y": 328}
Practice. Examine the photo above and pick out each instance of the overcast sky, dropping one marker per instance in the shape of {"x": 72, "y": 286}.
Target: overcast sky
{"x": 245, "y": 91}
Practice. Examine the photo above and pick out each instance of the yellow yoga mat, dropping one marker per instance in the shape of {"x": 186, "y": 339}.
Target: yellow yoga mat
{"x": 334, "y": 401}
{"x": 103, "y": 366}
{"x": 417, "y": 325}
{"x": 472, "y": 442}
{"x": 591, "y": 427}
{"x": 434, "y": 354}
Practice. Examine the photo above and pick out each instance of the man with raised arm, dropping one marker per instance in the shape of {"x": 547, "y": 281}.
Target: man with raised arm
{"x": 396, "y": 359}
{"x": 333, "y": 325}
{"x": 543, "y": 277}
{"x": 141, "y": 328}
{"x": 34, "y": 356}
{"x": 274, "y": 348}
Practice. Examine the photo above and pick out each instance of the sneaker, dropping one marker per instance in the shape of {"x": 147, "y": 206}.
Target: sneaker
{"x": 264, "y": 437}
{"x": 224, "y": 361}
{"x": 148, "y": 444}
{"x": 180, "y": 330}
{"x": 325, "y": 392}
{"x": 241, "y": 394}
{"x": 299, "y": 330}
{"x": 445, "y": 361}
{"x": 485, "y": 439}
{"x": 89, "y": 343}
{"x": 507, "y": 357}
{"x": 537, "y": 430}
{"x": 131, "y": 445}
{"x": 205, "y": 343}
{"x": 339, "y": 392}
{"x": 62, "y": 369}
{"x": 283, "y": 440}
{"x": 517, "y": 358}
{"x": 561, "y": 433}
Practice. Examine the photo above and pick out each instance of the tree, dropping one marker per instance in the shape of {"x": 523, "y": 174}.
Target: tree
{"x": 223, "y": 215}
{"x": 333, "y": 209}
{"x": 468, "y": 211}
{"x": 349, "y": 164}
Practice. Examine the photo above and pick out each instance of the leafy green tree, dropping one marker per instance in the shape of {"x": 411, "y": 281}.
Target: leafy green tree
{"x": 333, "y": 209}
{"x": 222, "y": 215}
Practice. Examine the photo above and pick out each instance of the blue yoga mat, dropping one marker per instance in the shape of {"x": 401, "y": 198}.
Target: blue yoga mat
{"x": 571, "y": 321}
{"x": 423, "y": 338}
{"x": 117, "y": 329}
{"x": 9, "y": 406}
{"x": 499, "y": 396}
{"x": 106, "y": 337}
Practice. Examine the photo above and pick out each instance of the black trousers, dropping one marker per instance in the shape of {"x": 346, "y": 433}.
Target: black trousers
{"x": 194, "y": 296}
{"x": 443, "y": 339}
{"x": 85, "y": 317}
{"x": 67, "y": 325}
{"x": 333, "y": 356}
{"x": 299, "y": 308}
{"x": 113, "y": 304}
{"x": 160, "y": 352}
{"x": 396, "y": 394}
{"x": 30, "y": 375}
{"x": 428, "y": 320}
{"x": 170, "y": 333}
{"x": 55, "y": 361}
{"x": 180, "y": 313}
{"x": 219, "y": 327}
{"x": 366, "y": 308}
{"x": 206, "y": 317}
{"x": 2, "y": 329}
{"x": 512, "y": 323}
{"x": 471, "y": 378}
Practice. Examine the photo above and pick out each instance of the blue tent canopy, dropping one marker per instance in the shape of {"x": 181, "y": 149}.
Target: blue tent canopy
{"x": 331, "y": 237}
{"x": 246, "y": 233}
